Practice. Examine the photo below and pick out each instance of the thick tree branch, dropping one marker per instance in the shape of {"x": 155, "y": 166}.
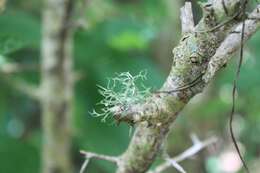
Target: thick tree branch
{"x": 190, "y": 62}
{"x": 231, "y": 44}
{"x": 191, "y": 58}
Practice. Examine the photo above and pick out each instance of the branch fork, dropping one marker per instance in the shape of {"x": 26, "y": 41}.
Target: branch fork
{"x": 169, "y": 162}
{"x": 197, "y": 146}
{"x": 89, "y": 155}
{"x": 208, "y": 44}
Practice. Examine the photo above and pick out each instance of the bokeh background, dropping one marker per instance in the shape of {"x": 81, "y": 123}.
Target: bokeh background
{"x": 118, "y": 36}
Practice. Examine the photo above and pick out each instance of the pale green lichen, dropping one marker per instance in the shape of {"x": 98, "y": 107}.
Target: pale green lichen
{"x": 120, "y": 93}
{"x": 185, "y": 53}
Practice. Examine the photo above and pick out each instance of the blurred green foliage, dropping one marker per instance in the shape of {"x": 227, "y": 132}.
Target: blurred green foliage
{"x": 18, "y": 30}
{"x": 120, "y": 36}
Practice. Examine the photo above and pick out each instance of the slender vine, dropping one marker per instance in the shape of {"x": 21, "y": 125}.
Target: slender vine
{"x": 241, "y": 57}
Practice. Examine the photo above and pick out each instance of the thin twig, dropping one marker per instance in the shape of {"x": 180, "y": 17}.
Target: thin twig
{"x": 89, "y": 155}
{"x": 10, "y": 68}
{"x": 194, "y": 149}
{"x": 22, "y": 86}
{"x": 220, "y": 25}
{"x": 84, "y": 166}
{"x": 25, "y": 88}
{"x": 196, "y": 81}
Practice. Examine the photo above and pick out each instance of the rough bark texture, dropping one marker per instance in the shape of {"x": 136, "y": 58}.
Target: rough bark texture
{"x": 57, "y": 86}
{"x": 190, "y": 62}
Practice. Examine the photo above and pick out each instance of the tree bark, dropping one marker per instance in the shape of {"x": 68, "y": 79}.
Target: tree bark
{"x": 190, "y": 62}
{"x": 57, "y": 85}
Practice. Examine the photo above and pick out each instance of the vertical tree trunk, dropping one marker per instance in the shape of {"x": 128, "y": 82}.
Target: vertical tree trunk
{"x": 57, "y": 85}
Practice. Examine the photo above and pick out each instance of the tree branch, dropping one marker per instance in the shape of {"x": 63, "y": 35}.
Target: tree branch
{"x": 90, "y": 155}
{"x": 11, "y": 68}
{"x": 20, "y": 85}
{"x": 187, "y": 22}
{"x": 190, "y": 62}
{"x": 194, "y": 149}
{"x": 25, "y": 88}
{"x": 7, "y": 69}
{"x": 231, "y": 44}
{"x": 81, "y": 21}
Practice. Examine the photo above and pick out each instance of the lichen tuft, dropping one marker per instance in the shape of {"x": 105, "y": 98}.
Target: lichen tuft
{"x": 120, "y": 93}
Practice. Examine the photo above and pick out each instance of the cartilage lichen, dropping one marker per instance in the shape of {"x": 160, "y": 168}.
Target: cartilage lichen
{"x": 121, "y": 92}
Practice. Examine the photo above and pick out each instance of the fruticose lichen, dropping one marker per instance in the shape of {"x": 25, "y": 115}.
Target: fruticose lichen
{"x": 120, "y": 93}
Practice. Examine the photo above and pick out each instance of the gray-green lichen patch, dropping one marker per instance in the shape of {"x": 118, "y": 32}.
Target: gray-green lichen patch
{"x": 188, "y": 58}
{"x": 121, "y": 93}
{"x": 182, "y": 53}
